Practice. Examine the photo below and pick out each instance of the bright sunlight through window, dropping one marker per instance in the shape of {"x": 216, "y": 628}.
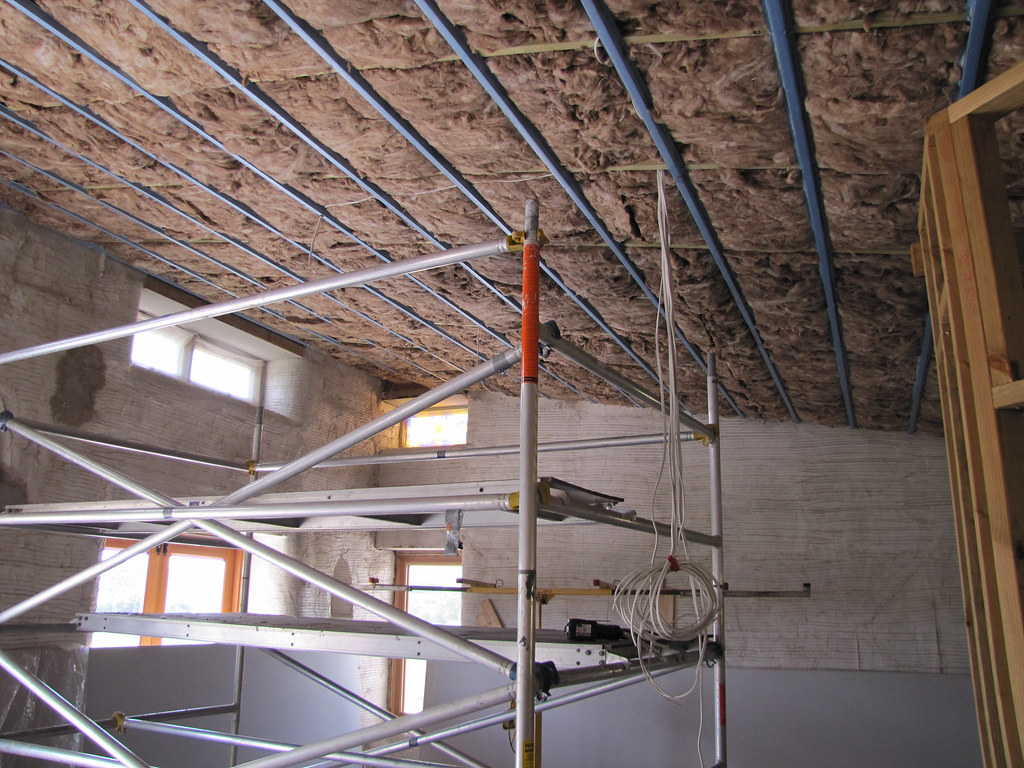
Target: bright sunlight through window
{"x": 447, "y": 427}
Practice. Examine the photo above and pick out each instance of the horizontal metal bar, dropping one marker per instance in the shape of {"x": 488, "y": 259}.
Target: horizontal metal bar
{"x": 56, "y": 755}
{"x": 165, "y": 716}
{"x": 301, "y": 510}
{"x": 436, "y": 454}
{"x": 273, "y": 296}
{"x": 610, "y": 517}
{"x": 135, "y": 447}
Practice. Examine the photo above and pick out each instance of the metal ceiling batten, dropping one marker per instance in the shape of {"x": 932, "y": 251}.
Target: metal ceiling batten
{"x": 358, "y": 83}
{"x": 196, "y": 252}
{"x": 483, "y": 75}
{"x": 23, "y": 190}
{"x": 149, "y": 193}
{"x": 632, "y": 80}
{"x": 55, "y": 28}
{"x": 979, "y": 19}
{"x": 778, "y": 15}
{"x": 267, "y": 104}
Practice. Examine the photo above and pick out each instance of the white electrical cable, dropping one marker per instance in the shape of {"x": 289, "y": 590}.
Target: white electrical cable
{"x": 637, "y": 597}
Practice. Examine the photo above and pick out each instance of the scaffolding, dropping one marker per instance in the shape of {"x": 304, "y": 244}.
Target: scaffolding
{"x": 555, "y": 662}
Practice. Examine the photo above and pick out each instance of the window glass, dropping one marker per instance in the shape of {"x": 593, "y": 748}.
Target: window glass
{"x": 161, "y": 350}
{"x": 121, "y": 590}
{"x": 194, "y": 584}
{"x": 222, "y": 374}
{"x": 442, "y": 608}
{"x": 447, "y": 427}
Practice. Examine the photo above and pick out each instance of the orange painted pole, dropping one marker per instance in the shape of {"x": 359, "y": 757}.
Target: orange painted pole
{"x": 526, "y": 613}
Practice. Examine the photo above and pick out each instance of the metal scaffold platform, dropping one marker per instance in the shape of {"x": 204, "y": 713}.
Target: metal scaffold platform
{"x": 553, "y": 660}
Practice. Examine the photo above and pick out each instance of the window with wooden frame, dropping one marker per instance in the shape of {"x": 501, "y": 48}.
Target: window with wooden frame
{"x": 441, "y": 607}
{"x": 446, "y": 423}
{"x": 171, "y": 578}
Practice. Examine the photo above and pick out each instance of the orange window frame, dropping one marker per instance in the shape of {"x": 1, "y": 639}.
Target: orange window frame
{"x": 158, "y": 563}
{"x": 403, "y": 560}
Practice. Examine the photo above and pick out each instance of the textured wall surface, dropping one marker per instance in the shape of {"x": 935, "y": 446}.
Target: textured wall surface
{"x": 55, "y": 287}
{"x": 865, "y": 517}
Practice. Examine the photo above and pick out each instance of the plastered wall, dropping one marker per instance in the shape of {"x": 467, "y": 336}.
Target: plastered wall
{"x": 54, "y": 287}
{"x": 864, "y": 516}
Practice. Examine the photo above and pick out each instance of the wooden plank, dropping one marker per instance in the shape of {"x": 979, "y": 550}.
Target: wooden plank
{"x": 994, "y": 99}
{"x": 985, "y": 461}
{"x": 958, "y": 405}
{"x": 992, "y": 246}
{"x": 1009, "y": 395}
{"x": 916, "y": 259}
{"x": 488, "y": 617}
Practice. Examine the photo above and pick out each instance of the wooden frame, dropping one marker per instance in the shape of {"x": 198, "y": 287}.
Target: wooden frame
{"x": 396, "y": 681}
{"x": 158, "y": 563}
{"x": 969, "y": 258}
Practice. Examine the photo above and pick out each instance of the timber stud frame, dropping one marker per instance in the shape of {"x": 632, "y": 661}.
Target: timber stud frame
{"x": 970, "y": 261}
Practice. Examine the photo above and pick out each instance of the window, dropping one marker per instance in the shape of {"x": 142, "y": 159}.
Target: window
{"x": 207, "y": 353}
{"x": 445, "y": 424}
{"x": 171, "y": 578}
{"x": 409, "y": 676}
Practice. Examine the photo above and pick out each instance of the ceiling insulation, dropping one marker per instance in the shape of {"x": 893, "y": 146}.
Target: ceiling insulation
{"x": 231, "y": 157}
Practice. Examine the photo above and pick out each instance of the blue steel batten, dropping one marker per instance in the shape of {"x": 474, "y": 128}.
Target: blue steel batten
{"x": 142, "y": 189}
{"x": 479, "y": 69}
{"x": 979, "y": 17}
{"x": 22, "y": 189}
{"x": 55, "y": 28}
{"x": 262, "y": 100}
{"x": 187, "y": 246}
{"x": 166, "y": 104}
{"x": 358, "y": 83}
{"x": 237, "y": 205}
{"x": 778, "y": 15}
{"x": 615, "y": 47}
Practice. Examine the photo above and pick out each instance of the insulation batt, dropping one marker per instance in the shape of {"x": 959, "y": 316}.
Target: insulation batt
{"x": 713, "y": 85}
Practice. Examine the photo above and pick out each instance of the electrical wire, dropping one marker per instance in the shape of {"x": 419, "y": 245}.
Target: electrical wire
{"x": 638, "y": 596}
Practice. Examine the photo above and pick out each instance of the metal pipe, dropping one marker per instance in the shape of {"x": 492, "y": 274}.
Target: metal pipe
{"x": 550, "y": 337}
{"x": 58, "y": 756}
{"x": 350, "y": 594}
{"x": 274, "y": 296}
{"x": 94, "y": 570}
{"x": 717, "y": 562}
{"x": 135, "y": 447}
{"x": 435, "y": 454}
{"x": 526, "y": 603}
{"x": 72, "y": 714}
{"x": 217, "y": 737}
{"x": 427, "y": 717}
{"x": 488, "y": 502}
{"x": 496, "y": 364}
{"x": 365, "y": 704}
{"x": 611, "y": 518}
{"x": 502, "y": 717}
{"x": 47, "y": 731}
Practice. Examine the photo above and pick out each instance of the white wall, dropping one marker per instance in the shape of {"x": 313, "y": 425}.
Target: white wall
{"x": 864, "y": 516}
{"x": 776, "y": 719}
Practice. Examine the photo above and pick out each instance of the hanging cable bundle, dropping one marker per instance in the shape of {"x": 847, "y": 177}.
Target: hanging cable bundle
{"x": 637, "y": 598}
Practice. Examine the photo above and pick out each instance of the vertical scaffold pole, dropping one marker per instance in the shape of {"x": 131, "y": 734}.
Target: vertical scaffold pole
{"x": 717, "y": 564}
{"x": 526, "y": 613}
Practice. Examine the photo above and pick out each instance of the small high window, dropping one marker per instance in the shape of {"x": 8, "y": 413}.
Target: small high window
{"x": 445, "y": 424}
{"x": 206, "y": 353}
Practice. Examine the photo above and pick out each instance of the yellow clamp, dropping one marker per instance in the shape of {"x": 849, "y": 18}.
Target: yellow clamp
{"x": 707, "y": 440}
{"x": 515, "y": 240}
{"x": 251, "y": 467}
{"x": 543, "y": 492}
{"x": 120, "y": 721}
